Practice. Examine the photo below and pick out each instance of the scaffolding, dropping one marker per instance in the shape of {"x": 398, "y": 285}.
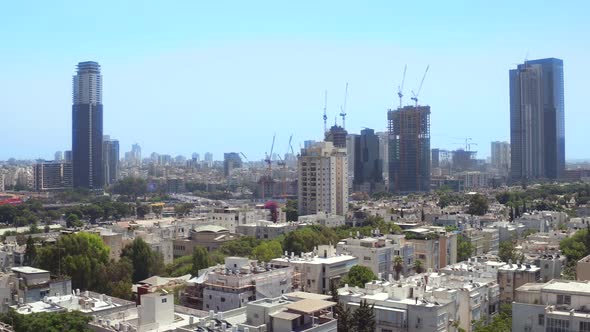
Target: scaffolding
{"x": 409, "y": 149}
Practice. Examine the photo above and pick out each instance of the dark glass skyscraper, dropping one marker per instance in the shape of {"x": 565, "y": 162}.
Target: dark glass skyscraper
{"x": 368, "y": 171}
{"x": 110, "y": 157}
{"x": 87, "y": 158}
{"x": 537, "y": 120}
{"x": 409, "y": 149}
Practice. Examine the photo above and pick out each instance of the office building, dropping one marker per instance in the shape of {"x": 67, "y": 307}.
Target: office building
{"x": 136, "y": 154}
{"x": 384, "y": 154}
{"x": 231, "y": 161}
{"x": 323, "y": 179}
{"x": 87, "y": 127}
{"x": 58, "y": 156}
{"x": 51, "y": 175}
{"x": 501, "y": 157}
{"x": 68, "y": 156}
{"x": 537, "y": 124}
{"x": 409, "y": 149}
{"x": 110, "y": 155}
{"x": 368, "y": 173}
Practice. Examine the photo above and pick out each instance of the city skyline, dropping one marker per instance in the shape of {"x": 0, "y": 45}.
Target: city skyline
{"x": 177, "y": 98}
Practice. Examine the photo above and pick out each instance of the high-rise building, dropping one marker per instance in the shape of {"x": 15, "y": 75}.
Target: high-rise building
{"x": 58, "y": 156}
{"x": 231, "y": 161}
{"x": 196, "y": 157}
{"x": 384, "y": 154}
{"x": 501, "y": 157}
{"x": 110, "y": 153}
{"x": 350, "y": 154}
{"x": 87, "y": 127}
{"x": 368, "y": 172}
{"x": 52, "y": 175}
{"x": 337, "y": 135}
{"x": 136, "y": 154}
{"x": 322, "y": 180}
{"x": 409, "y": 149}
{"x": 537, "y": 120}
{"x": 68, "y": 156}
{"x": 208, "y": 159}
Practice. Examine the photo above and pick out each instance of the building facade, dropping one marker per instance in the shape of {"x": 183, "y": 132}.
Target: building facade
{"x": 87, "y": 127}
{"x": 110, "y": 154}
{"x": 368, "y": 168}
{"x": 50, "y": 175}
{"x": 537, "y": 120}
{"x": 409, "y": 149}
{"x": 501, "y": 157}
{"x": 323, "y": 180}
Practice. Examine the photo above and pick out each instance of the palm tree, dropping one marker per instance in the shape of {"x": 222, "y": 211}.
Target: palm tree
{"x": 418, "y": 266}
{"x": 398, "y": 266}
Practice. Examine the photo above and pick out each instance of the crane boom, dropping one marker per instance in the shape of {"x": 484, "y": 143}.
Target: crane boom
{"x": 325, "y": 109}
{"x": 415, "y": 98}
{"x": 400, "y": 88}
{"x": 243, "y": 155}
{"x": 343, "y": 108}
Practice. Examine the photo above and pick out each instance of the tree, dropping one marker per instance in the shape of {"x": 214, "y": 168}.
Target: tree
{"x": 574, "y": 247}
{"x": 144, "y": 260}
{"x": 267, "y": 250}
{"x": 291, "y": 210}
{"x": 7, "y": 214}
{"x": 464, "y": 248}
{"x": 72, "y": 220}
{"x": 363, "y": 318}
{"x": 200, "y": 260}
{"x": 80, "y": 256}
{"x": 343, "y": 315}
{"x": 73, "y": 321}
{"x": 30, "y": 252}
{"x": 157, "y": 209}
{"x": 507, "y": 252}
{"x": 131, "y": 187}
{"x": 358, "y": 276}
{"x": 398, "y": 266}
{"x": 142, "y": 210}
{"x": 478, "y": 205}
{"x": 92, "y": 212}
{"x": 418, "y": 266}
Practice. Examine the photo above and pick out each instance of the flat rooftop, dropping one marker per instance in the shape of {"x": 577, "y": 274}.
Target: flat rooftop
{"x": 578, "y": 287}
{"x": 28, "y": 270}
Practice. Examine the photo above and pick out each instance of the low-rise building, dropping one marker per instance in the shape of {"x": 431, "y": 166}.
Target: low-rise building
{"x": 583, "y": 269}
{"x": 558, "y": 305}
{"x": 314, "y": 271}
{"x": 209, "y": 236}
{"x": 379, "y": 253}
{"x": 264, "y": 229}
{"x": 322, "y": 218}
{"x": 511, "y": 276}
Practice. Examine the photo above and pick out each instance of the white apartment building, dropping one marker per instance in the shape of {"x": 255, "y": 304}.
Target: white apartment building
{"x": 378, "y": 253}
{"x": 314, "y": 271}
{"x": 323, "y": 179}
{"x": 555, "y": 306}
{"x": 323, "y": 218}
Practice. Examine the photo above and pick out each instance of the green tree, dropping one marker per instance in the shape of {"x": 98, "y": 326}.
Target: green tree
{"x": 464, "y": 248}
{"x": 80, "y": 256}
{"x": 200, "y": 260}
{"x": 398, "y": 266}
{"x": 7, "y": 214}
{"x": 291, "y": 210}
{"x": 502, "y": 322}
{"x": 343, "y": 315}
{"x": 478, "y": 205}
{"x": 157, "y": 210}
{"x": 142, "y": 210}
{"x": 92, "y": 212}
{"x": 267, "y": 250}
{"x": 144, "y": 260}
{"x": 574, "y": 247}
{"x": 73, "y": 321}
{"x": 363, "y": 318}
{"x": 30, "y": 252}
{"x": 130, "y": 187}
{"x": 418, "y": 266}
{"x": 507, "y": 251}
{"x": 358, "y": 276}
{"x": 72, "y": 220}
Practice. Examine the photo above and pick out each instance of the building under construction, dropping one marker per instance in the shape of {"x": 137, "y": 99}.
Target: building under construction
{"x": 409, "y": 149}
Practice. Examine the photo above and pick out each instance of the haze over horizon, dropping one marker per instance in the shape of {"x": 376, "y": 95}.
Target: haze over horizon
{"x": 177, "y": 79}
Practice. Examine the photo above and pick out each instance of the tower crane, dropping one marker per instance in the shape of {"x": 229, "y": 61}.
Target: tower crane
{"x": 400, "y": 88}
{"x": 243, "y": 155}
{"x": 415, "y": 95}
{"x": 325, "y": 108}
{"x": 343, "y": 108}
{"x": 268, "y": 160}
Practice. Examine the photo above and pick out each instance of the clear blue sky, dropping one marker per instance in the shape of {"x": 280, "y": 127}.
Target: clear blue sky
{"x": 219, "y": 76}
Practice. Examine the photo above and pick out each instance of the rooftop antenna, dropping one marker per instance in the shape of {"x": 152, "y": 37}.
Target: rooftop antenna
{"x": 325, "y": 108}
{"x": 343, "y": 108}
{"x": 415, "y": 98}
{"x": 400, "y": 88}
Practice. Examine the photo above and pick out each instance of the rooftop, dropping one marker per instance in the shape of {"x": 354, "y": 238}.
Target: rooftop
{"x": 28, "y": 270}
{"x": 309, "y": 306}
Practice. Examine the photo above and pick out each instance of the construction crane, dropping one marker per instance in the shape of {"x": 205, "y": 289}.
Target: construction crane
{"x": 325, "y": 109}
{"x": 283, "y": 164}
{"x": 243, "y": 155}
{"x": 400, "y": 88}
{"x": 343, "y": 107}
{"x": 268, "y": 160}
{"x": 415, "y": 95}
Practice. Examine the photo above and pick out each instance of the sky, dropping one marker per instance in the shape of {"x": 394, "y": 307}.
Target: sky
{"x": 220, "y": 76}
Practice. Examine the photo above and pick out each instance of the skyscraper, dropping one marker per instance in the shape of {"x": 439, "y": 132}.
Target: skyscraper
{"x": 322, "y": 179}
{"x": 501, "y": 157}
{"x": 87, "y": 127}
{"x": 409, "y": 149}
{"x": 231, "y": 160}
{"x": 537, "y": 120}
{"x": 336, "y": 135}
{"x": 110, "y": 154}
{"x": 136, "y": 154}
{"x": 368, "y": 176}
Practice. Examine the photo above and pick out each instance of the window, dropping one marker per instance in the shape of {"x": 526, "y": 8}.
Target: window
{"x": 564, "y": 299}
{"x": 223, "y": 299}
{"x": 164, "y": 300}
{"x": 541, "y": 319}
{"x": 584, "y": 326}
{"x": 557, "y": 325}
